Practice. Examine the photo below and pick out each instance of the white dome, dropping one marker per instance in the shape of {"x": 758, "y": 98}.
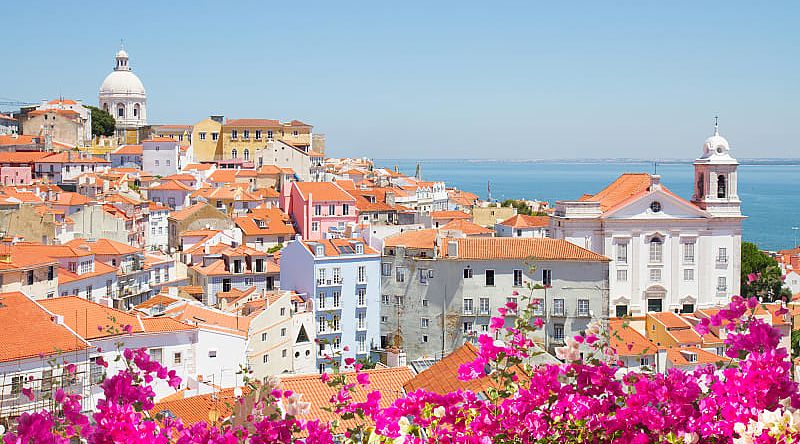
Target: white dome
{"x": 715, "y": 145}
{"x": 122, "y": 82}
{"x": 122, "y": 53}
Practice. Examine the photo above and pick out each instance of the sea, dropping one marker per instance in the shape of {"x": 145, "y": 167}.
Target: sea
{"x": 769, "y": 192}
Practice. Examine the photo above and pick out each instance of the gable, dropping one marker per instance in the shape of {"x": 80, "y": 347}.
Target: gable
{"x": 672, "y": 207}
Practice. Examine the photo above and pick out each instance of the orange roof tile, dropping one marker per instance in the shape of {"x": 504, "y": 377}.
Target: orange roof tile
{"x": 62, "y": 101}
{"x": 34, "y": 331}
{"x": 450, "y": 214}
{"x": 159, "y": 139}
{"x": 100, "y": 269}
{"x": 195, "y": 409}
{"x": 521, "y": 248}
{"x": 206, "y": 317}
{"x": 670, "y": 319}
{"x": 86, "y": 317}
{"x": 677, "y": 356}
{"x": 466, "y": 227}
{"x": 625, "y": 187}
{"x": 323, "y": 191}
{"x": 265, "y": 221}
{"x": 337, "y": 247}
{"x": 525, "y": 221}
{"x": 19, "y": 139}
{"x": 171, "y": 185}
{"x": 159, "y": 299}
{"x": 629, "y": 342}
{"x": 103, "y": 246}
{"x": 130, "y": 150}
{"x": 198, "y": 167}
{"x": 67, "y": 157}
{"x": 685, "y": 335}
{"x": 22, "y": 156}
{"x": 388, "y": 381}
{"x": 421, "y": 239}
{"x": 223, "y": 176}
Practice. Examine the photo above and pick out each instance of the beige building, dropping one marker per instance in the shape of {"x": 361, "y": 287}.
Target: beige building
{"x": 307, "y": 165}
{"x": 61, "y": 125}
{"x": 241, "y": 138}
{"x": 488, "y": 215}
{"x": 206, "y": 143}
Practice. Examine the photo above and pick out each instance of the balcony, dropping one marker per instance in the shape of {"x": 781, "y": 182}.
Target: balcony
{"x": 327, "y": 282}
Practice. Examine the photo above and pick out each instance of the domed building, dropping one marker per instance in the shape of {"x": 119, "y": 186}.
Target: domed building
{"x": 124, "y": 97}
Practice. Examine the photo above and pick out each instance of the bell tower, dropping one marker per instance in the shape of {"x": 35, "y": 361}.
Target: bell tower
{"x": 715, "y": 181}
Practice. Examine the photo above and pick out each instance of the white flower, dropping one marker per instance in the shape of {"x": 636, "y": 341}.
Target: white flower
{"x": 690, "y": 438}
{"x": 438, "y": 411}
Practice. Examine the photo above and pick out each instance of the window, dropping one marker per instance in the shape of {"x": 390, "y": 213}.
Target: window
{"x": 518, "y": 278}
{"x": 688, "y": 274}
{"x": 688, "y": 253}
{"x": 202, "y": 136}
{"x": 362, "y": 274}
{"x": 177, "y": 358}
{"x": 155, "y": 354}
{"x": 283, "y": 311}
{"x": 538, "y": 306}
{"x": 399, "y": 300}
{"x": 361, "y": 320}
{"x": 385, "y": 299}
{"x": 622, "y": 275}
{"x": 655, "y": 275}
{"x": 345, "y": 209}
{"x": 468, "y": 307}
{"x": 51, "y": 273}
{"x": 269, "y": 134}
{"x": 361, "y": 295}
{"x": 361, "y": 340}
{"x": 547, "y": 278}
{"x": 284, "y": 353}
{"x": 214, "y": 136}
{"x": 655, "y": 250}
{"x": 655, "y": 207}
{"x": 386, "y": 269}
{"x": 722, "y": 284}
{"x": 423, "y": 276}
{"x": 468, "y": 327}
{"x": 644, "y": 360}
{"x": 321, "y": 300}
{"x": 425, "y": 339}
{"x": 583, "y": 307}
{"x": 489, "y": 278}
{"x": 335, "y": 325}
{"x": 558, "y": 307}
{"x": 234, "y": 153}
{"x": 687, "y": 308}
{"x": 511, "y": 300}
{"x": 246, "y": 154}
{"x": 317, "y": 210}
{"x": 400, "y": 274}
{"x": 654, "y": 305}
{"x": 265, "y": 358}
{"x": 322, "y": 324}
{"x": 721, "y": 189}
{"x": 263, "y": 337}
{"x": 16, "y": 385}
{"x": 337, "y": 275}
{"x": 722, "y": 255}
{"x": 30, "y": 277}
{"x": 234, "y": 134}
{"x": 622, "y": 253}
{"x": 468, "y": 273}
{"x": 283, "y": 332}
{"x": 337, "y": 299}
{"x": 558, "y": 332}
{"x": 258, "y": 134}
{"x": 314, "y": 226}
{"x": 484, "y": 306}
{"x": 384, "y": 319}
{"x": 424, "y": 302}
{"x": 331, "y": 210}
{"x": 621, "y": 311}
{"x": 423, "y": 323}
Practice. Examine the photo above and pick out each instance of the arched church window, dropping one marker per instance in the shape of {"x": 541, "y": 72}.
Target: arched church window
{"x": 721, "y": 188}
{"x": 701, "y": 186}
{"x": 120, "y": 111}
{"x": 246, "y": 154}
{"x": 136, "y": 110}
{"x": 234, "y": 153}
{"x": 656, "y": 249}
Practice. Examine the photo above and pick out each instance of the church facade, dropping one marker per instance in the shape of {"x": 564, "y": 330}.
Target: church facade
{"x": 667, "y": 253}
{"x": 122, "y": 95}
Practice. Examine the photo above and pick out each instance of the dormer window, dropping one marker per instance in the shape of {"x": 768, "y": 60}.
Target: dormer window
{"x": 237, "y": 266}
{"x": 359, "y": 248}
{"x": 261, "y": 223}
{"x": 319, "y": 250}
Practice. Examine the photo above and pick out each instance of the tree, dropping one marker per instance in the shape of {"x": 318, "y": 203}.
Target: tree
{"x": 761, "y": 275}
{"x": 103, "y": 123}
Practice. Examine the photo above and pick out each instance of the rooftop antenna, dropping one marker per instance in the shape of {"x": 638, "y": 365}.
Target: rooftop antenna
{"x": 655, "y": 168}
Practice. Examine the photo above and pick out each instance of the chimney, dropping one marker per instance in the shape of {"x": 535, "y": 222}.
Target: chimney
{"x": 207, "y": 249}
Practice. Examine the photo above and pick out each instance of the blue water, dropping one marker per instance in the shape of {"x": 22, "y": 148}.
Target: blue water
{"x": 768, "y": 193}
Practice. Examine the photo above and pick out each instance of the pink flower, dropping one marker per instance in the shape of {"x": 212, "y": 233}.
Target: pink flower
{"x": 28, "y": 393}
{"x": 325, "y": 377}
{"x": 363, "y": 378}
{"x": 496, "y": 323}
{"x": 511, "y": 305}
{"x": 752, "y": 277}
{"x": 349, "y": 361}
{"x": 127, "y": 328}
{"x": 515, "y": 293}
{"x": 346, "y": 348}
{"x": 538, "y": 323}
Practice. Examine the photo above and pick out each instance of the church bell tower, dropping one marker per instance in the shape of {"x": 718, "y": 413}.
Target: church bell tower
{"x": 715, "y": 176}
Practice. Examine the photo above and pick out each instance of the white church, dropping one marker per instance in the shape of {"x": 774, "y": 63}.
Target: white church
{"x": 667, "y": 253}
{"x": 122, "y": 95}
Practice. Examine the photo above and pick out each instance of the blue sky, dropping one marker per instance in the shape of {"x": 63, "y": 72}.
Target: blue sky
{"x": 439, "y": 79}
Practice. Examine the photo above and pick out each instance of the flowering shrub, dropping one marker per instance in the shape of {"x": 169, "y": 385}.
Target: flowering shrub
{"x": 749, "y": 399}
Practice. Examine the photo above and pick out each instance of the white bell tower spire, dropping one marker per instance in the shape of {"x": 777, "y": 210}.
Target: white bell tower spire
{"x": 715, "y": 175}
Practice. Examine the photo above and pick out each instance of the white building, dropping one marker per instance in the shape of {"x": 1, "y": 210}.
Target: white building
{"x": 160, "y": 156}
{"x": 667, "y": 253}
{"x": 123, "y": 96}
{"x": 521, "y": 225}
{"x": 156, "y": 234}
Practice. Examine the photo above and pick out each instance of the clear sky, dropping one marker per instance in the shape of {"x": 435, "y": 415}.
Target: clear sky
{"x": 439, "y": 79}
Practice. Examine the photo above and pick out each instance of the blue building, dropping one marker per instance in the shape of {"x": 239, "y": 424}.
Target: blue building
{"x": 343, "y": 275}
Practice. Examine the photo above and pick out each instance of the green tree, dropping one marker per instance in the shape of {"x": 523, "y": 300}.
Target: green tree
{"x": 761, "y": 275}
{"x": 795, "y": 343}
{"x": 522, "y": 207}
{"x": 103, "y": 123}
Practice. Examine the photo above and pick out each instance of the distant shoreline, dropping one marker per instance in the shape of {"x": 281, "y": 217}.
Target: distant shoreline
{"x": 770, "y": 161}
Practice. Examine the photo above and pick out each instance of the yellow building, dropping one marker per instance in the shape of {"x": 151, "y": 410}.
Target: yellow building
{"x": 241, "y": 138}
{"x": 181, "y": 133}
{"x": 206, "y": 142}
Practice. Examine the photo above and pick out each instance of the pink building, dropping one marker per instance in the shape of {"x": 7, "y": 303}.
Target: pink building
{"x": 15, "y": 175}
{"x": 321, "y": 207}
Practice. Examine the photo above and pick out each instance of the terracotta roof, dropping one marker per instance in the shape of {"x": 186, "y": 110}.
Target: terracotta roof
{"x": 521, "y": 248}
{"x": 223, "y": 176}
{"x": 159, "y": 139}
{"x": 195, "y": 409}
{"x": 629, "y": 342}
{"x": 450, "y": 214}
{"x": 22, "y": 156}
{"x": 159, "y": 299}
{"x": 34, "y": 332}
{"x": 253, "y": 122}
{"x": 68, "y": 198}
{"x": 268, "y": 169}
{"x": 62, "y": 102}
{"x": 466, "y": 227}
{"x": 338, "y": 247}
{"x": 670, "y": 319}
{"x": 181, "y": 177}
{"x": 524, "y": 221}
{"x": 266, "y": 221}
{"x": 685, "y": 335}
{"x": 19, "y": 139}
{"x": 421, "y": 239}
{"x": 388, "y": 381}
{"x": 323, "y": 191}
{"x": 171, "y": 185}
{"x": 625, "y": 187}
{"x": 198, "y": 167}
{"x": 105, "y": 246}
{"x": 227, "y": 192}
{"x": 130, "y": 150}
{"x": 66, "y": 157}
{"x": 100, "y": 269}
{"x": 210, "y": 318}
{"x": 188, "y": 211}
{"x": 678, "y": 358}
